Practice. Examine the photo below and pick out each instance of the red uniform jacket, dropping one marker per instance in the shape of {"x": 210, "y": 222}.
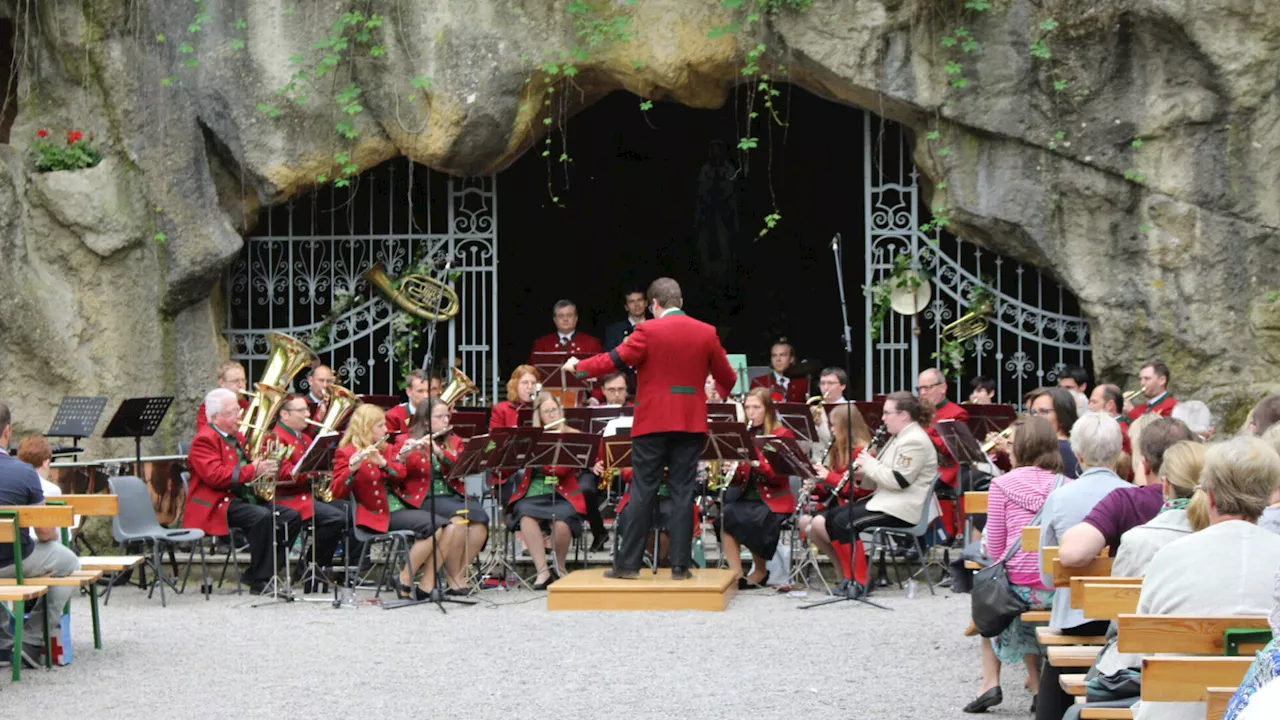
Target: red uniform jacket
{"x": 417, "y": 481}
{"x": 579, "y": 344}
{"x": 297, "y": 494}
{"x": 672, "y": 356}
{"x": 947, "y": 467}
{"x": 505, "y": 414}
{"x": 566, "y": 485}
{"x": 797, "y": 388}
{"x": 314, "y": 408}
{"x": 826, "y": 485}
{"x": 369, "y": 484}
{"x": 1163, "y": 408}
{"x": 397, "y": 418}
{"x": 217, "y": 465}
{"x": 775, "y": 490}
{"x": 202, "y": 422}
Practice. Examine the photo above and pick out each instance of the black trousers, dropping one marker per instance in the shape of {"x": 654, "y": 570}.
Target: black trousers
{"x": 678, "y": 452}
{"x": 589, "y": 484}
{"x": 255, "y": 522}
{"x": 331, "y": 523}
{"x": 1052, "y": 701}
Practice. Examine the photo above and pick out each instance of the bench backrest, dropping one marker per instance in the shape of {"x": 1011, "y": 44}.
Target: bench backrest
{"x": 1062, "y": 575}
{"x": 8, "y": 532}
{"x": 975, "y": 503}
{"x": 1183, "y": 679}
{"x": 1185, "y": 634}
{"x": 1031, "y": 538}
{"x": 42, "y": 515}
{"x": 1101, "y": 601}
{"x": 1216, "y": 700}
{"x": 1079, "y": 581}
{"x": 91, "y": 505}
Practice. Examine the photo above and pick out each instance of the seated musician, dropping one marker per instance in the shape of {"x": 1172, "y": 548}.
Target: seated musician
{"x": 982, "y": 391}
{"x": 365, "y": 467}
{"x": 317, "y": 396}
{"x": 566, "y": 338}
{"x": 547, "y": 495}
{"x": 417, "y": 388}
{"x": 850, "y": 436}
{"x": 520, "y": 390}
{"x": 330, "y": 520}
{"x": 428, "y": 452}
{"x": 900, "y": 477}
{"x": 754, "y": 512}
{"x": 832, "y": 383}
{"x": 614, "y": 387}
{"x": 219, "y": 497}
{"x": 784, "y": 389}
{"x": 230, "y": 376}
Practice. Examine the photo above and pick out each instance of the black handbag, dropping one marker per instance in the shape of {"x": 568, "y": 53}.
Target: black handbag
{"x": 993, "y": 603}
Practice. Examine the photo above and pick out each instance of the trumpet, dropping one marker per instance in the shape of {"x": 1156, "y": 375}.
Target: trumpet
{"x": 1132, "y": 393}
{"x": 815, "y": 407}
{"x": 987, "y": 446}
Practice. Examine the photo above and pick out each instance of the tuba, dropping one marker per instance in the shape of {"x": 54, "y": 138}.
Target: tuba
{"x": 419, "y": 295}
{"x": 285, "y": 359}
{"x": 971, "y": 324}
{"x": 459, "y": 387}
{"x": 341, "y": 403}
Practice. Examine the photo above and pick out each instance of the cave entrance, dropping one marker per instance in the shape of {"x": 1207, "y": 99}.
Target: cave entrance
{"x": 628, "y": 212}
{"x": 628, "y": 208}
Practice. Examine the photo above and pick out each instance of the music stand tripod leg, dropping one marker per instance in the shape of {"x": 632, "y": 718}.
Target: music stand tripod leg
{"x": 847, "y": 598}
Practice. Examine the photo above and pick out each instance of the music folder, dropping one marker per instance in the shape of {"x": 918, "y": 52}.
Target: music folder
{"x": 960, "y": 442}
{"x": 728, "y": 441}
{"x": 617, "y": 450}
{"x": 476, "y": 456}
{"x": 318, "y": 457}
{"x": 575, "y": 450}
{"x": 724, "y": 413}
{"x": 516, "y": 444}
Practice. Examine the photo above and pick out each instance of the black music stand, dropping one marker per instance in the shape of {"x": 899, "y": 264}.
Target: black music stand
{"x": 785, "y": 456}
{"x": 722, "y": 413}
{"x": 469, "y": 423}
{"x": 554, "y": 378}
{"x": 871, "y": 412}
{"x": 593, "y": 419}
{"x": 964, "y": 447}
{"x": 989, "y": 418}
{"x": 317, "y": 459}
{"x": 137, "y": 418}
{"x": 799, "y": 418}
{"x": 76, "y": 418}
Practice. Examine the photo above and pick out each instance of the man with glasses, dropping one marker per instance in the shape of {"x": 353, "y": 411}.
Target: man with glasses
{"x": 317, "y": 396}
{"x": 932, "y": 389}
{"x": 832, "y": 383}
{"x": 295, "y": 492}
{"x": 566, "y": 338}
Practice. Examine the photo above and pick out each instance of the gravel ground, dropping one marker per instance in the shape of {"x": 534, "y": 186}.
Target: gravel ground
{"x": 762, "y": 658}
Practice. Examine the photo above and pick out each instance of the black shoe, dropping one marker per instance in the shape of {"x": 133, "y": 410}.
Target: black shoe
{"x": 621, "y": 574}
{"x": 745, "y": 584}
{"x": 841, "y": 587}
{"x": 33, "y": 656}
{"x": 457, "y": 592}
{"x": 257, "y": 588}
{"x": 402, "y": 590}
{"x": 854, "y": 590}
{"x": 1033, "y": 703}
{"x": 945, "y": 581}
{"x": 550, "y": 579}
{"x": 598, "y": 542}
{"x": 680, "y": 572}
{"x": 985, "y": 701}
{"x": 418, "y": 594}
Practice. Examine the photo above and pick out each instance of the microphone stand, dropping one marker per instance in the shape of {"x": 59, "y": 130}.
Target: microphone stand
{"x": 437, "y": 594}
{"x": 836, "y": 250}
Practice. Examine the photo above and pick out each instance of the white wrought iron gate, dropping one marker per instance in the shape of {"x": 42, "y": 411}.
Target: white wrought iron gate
{"x": 308, "y": 256}
{"x": 1035, "y": 328}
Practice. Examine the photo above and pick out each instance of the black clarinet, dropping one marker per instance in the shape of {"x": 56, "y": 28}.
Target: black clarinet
{"x": 875, "y": 446}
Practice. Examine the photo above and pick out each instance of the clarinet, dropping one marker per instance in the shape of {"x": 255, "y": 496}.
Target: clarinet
{"x": 876, "y": 444}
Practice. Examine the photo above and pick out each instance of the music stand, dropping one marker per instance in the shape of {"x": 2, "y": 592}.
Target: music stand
{"x": 137, "y": 418}
{"x": 560, "y": 382}
{"x": 785, "y": 456}
{"x": 722, "y": 413}
{"x": 593, "y": 419}
{"x": 76, "y": 418}
{"x": 799, "y": 418}
{"x": 989, "y": 418}
{"x": 728, "y": 441}
{"x": 469, "y": 423}
{"x": 871, "y": 412}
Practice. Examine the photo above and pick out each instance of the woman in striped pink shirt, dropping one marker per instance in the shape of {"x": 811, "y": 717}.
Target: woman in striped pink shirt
{"x": 1015, "y": 499}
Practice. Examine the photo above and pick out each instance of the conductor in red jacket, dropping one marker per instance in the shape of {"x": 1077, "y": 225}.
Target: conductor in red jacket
{"x": 220, "y": 470}
{"x": 672, "y": 355}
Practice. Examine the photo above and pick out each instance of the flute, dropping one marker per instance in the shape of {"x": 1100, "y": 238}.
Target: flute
{"x": 361, "y": 455}
{"x": 411, "y": 445}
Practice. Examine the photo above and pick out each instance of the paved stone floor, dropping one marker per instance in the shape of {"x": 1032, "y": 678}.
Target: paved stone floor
{"x": 509, "y": 657}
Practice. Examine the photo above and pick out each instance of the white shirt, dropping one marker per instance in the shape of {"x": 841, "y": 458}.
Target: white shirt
{"x": 50, "y": 490}
{"x": 566, "y": 338}
{"x": 781, "y": 380}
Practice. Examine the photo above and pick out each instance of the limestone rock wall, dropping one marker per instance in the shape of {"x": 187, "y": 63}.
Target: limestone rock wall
{"x": 1175, "y": 265}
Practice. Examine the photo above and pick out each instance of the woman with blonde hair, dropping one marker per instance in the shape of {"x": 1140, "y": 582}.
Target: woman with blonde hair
{"x": 364, "y": 465}
{"x": 1184, "y": 510}
{"x": 759, "y": 498}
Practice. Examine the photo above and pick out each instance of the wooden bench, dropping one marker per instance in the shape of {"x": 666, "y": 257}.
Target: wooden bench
{"x": 1184, "y": 634}
{"x": 1037, "y": 616}
{"x": 90, "y": 505}
{"x": 1031, "y": 538}
{"x": 1073, "y": 684}
{"x": 1078, "y": 581}
{"x": 1062, "y": 575}
{"x": 1216, "y": 700}
{"x": 1049, "y": 638}
{"x": 110, "y": 563}
{"x": 1106, "y": 714}
{"x": 19, "y": 595}
{"x": 61, "y": 516}
{"x": 975, "y": 503}
{"x": 1072, "y": 656}
{"x": 1187, "y": 679}
{"x": 1104, "y": 601}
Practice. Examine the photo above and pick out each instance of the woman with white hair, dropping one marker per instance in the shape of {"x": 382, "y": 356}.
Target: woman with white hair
{"x": 1228, "y": 568}
{"x": 1095, "y": 443}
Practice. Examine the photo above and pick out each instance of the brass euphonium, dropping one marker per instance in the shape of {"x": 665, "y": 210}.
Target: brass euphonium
{"x": 971, "y": 324}
{"x": 285, "y": 359}
{"x": 459, "y": 387}
{"x": 419, "y": 295}
{"x": 341, "y": 402}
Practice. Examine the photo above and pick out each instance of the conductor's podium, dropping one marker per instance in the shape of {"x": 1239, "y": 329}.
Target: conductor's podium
{"x": 709, "y": 589}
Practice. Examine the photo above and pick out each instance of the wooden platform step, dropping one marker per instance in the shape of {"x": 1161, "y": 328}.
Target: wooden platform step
{"x": 589, "y": 589}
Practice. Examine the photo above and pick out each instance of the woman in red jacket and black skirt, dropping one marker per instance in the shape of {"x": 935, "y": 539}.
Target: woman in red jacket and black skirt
{"x": 758, "y": 499}
{"x": 364, "y": 466}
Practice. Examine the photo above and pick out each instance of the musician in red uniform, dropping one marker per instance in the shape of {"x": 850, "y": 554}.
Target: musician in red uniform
{"x": 932, "y": 388}
{"x": 365, "y": 467}
{"x": 784, "y": 389}
{"x": 672, "y": 355}
{"x": 218, "y": 498}
{"x": 614, "y": 387}
{"x": 317, "y": 396}
{"x": 758, "y": 499}
{"x": 1154, "y": 377}
{"x": 520, "y": 390}
{"x": 849, "y": 437}
{"x": 566, "y": 338}
{"x": 428, "y": 452}
{"x": 291, "y": 492}
{"x": 418, "y": 388}
{"x": 547, "y": 495}
{"x": 230, "y": 376}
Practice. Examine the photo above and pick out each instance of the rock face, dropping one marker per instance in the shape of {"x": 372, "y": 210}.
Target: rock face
{"x": 1167, "y": 245}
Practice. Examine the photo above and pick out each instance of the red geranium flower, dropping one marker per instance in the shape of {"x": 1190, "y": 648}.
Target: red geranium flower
{"x": 73, "y": 136}
{"x": 42, "y": 133}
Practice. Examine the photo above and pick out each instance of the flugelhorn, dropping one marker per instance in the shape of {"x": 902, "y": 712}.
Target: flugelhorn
{"x": 990, "y": 444}
{"x": 970, "y": 325}
{"x": 419, "y": 295}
